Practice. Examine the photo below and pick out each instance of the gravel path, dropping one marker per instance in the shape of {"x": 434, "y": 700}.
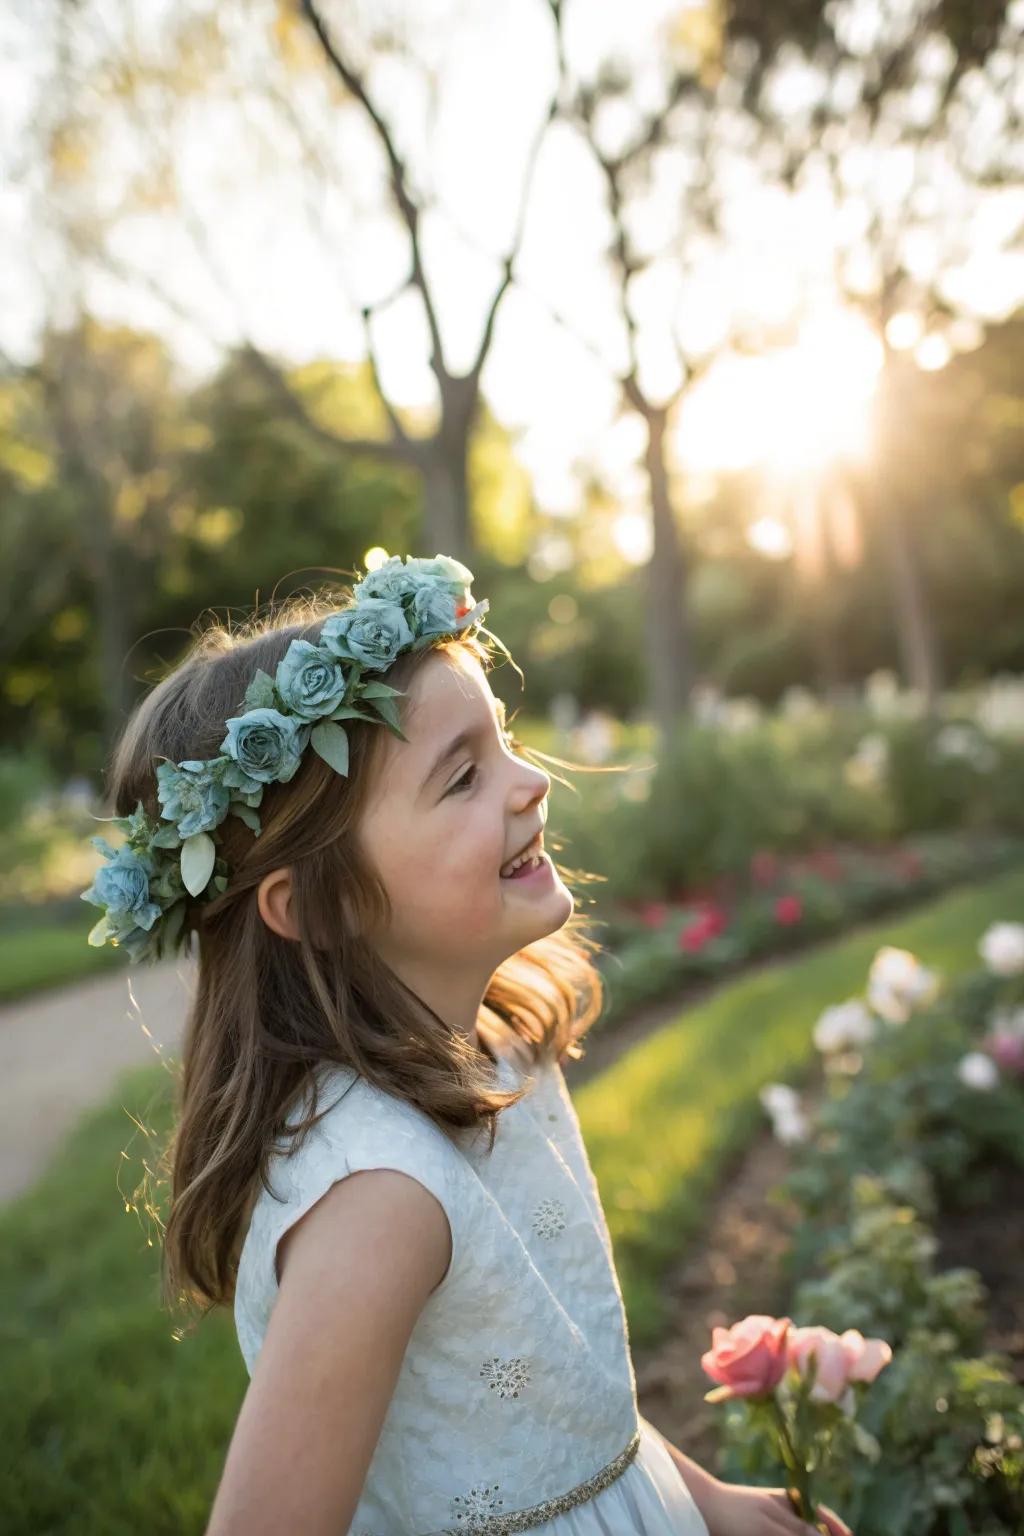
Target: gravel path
{"x": 61, "y": 1051}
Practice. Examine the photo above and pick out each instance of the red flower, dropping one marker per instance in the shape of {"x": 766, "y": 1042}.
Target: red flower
{"x": 695, "y": 935}
{"x": 788, "y": 910}
{"x": 654, "y": 914}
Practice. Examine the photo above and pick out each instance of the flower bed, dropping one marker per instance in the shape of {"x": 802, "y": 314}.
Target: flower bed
{"x": 925, "y": 1101}
{"x": 783, "y": 904}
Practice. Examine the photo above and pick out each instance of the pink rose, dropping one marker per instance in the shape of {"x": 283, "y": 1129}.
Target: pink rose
{"x": 748, "y": 1359}
{"x": 788, "y": 909}
{"x": 833, "y": 1364}
{"x": 866, "y": 1357}
{"x": 1007, "y": 1051}
{"x": 841, "y": 1359}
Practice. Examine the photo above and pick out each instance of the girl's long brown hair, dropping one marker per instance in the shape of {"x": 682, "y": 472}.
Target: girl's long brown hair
{"x": 268, "y": 1011}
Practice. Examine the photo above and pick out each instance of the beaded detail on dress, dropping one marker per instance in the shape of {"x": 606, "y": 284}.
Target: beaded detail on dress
{"x": 478, "y": 1512}
{"x": 549, "y": 1218}
{"x": 507, "y": 1377}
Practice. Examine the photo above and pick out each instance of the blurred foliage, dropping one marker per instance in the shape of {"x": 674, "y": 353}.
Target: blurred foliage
{"x": 133, "y": 507}
{"x": 750, "y": 783}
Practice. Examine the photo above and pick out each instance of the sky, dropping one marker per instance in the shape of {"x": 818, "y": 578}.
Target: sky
{"x": 299, "y": 255}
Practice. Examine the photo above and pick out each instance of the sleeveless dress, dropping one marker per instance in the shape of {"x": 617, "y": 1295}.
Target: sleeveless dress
{"x": 515, "y": 1407}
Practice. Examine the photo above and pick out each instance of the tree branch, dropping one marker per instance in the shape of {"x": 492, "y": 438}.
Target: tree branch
{"x": 408, "y": 209}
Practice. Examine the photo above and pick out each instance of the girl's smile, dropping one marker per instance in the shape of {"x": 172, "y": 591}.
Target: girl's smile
{"x": 453, "y": 807}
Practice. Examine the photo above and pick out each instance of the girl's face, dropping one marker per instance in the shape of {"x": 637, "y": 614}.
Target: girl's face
{"x": 449, "y": 807}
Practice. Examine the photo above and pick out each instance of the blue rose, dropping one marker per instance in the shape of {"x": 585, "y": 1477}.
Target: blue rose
{"x": 266, "y": 745}
{"x": 122, "y": 886}
{"x": 192, "y": 795}
{"x": 391, "y": 582}
{"x": 433, "y": 611}
{"x": 449, "y": 574}
{"x": 371, "y": 632}
{"x": 309, "y": 681}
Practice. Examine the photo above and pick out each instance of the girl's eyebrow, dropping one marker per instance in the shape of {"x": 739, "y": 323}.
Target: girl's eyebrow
{"x": 463, "y": 739}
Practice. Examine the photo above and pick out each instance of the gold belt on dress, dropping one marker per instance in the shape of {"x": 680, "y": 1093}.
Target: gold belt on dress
{"x": 523, "y": 1519}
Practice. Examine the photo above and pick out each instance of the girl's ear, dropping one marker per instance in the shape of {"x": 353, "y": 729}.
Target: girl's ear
{"x": 274, "y": 900}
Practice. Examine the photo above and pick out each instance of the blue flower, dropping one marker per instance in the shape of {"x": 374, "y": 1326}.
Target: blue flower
{"x": 433, "y": 611}
{"x": 309, "y": 681}
{"x": 122, "y": 886}
{"x": 395, "y": 582}
{"x": 371, "y": 632}
{"x": 266, "y": 745}
{"x": 192, "y": 795}
{"x": 451, "y": 575}
{"x": 392, "y": 582}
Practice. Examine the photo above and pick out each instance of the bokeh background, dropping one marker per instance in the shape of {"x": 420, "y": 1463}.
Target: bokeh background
{"x": 696, "y": 331}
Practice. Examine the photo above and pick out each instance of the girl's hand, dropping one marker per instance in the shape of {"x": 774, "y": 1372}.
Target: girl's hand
{"x": 729, "y": 1510}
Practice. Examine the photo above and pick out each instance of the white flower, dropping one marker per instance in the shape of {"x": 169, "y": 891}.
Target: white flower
{"x": 956, "y": 740}
{"x": 791, "y": 1127}
{"x": 844, "y": 1024}
{"x": 1002, "y": 948}
{"x": 898, "y": 983}
{"x": 742, "y": 714}
{"x": 978, "y": 1071}
{"x": 782, "y": 1103}
{"x": 798, "y": 703}
{"x": 777, "y": 1098}
{"x": 869, "y": 762}
{"x": 882, "y": 692}
{"x": 1000, "y": 710}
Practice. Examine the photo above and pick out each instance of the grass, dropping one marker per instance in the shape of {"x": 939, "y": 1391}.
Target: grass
{"x": 111, "y": 1425}
{"x": 49, "y": 954}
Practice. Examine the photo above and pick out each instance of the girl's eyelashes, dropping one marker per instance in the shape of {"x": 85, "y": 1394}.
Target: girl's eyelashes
{"x": 468, "y": 779}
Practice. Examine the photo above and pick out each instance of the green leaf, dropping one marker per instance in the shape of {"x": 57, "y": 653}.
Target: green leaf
{"x": 865, "y": 1442}
{"x": 167, "y": 836}
{"x": 197, "y": 858}
{"x": 388, "y": 711}
{"x": 260, "y": 692}
{"x": 331, "y": 743}
{"x": 380, "y": 691}
{"x": 247, "y": 814}
{"x": 346, "y": 712}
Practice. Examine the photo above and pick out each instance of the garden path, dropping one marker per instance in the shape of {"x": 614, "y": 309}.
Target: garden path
{"x": 62, "y": 1050}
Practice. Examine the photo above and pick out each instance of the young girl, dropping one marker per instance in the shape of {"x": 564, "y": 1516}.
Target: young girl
{"x": 389, "y": 964}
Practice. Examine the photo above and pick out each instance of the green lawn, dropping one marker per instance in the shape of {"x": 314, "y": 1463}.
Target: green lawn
{"x": 50, "y": 954}
{"x": 111, "y": 1426}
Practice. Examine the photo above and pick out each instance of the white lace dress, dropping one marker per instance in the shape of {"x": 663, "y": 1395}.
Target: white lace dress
{"x": 515, "y": 1407}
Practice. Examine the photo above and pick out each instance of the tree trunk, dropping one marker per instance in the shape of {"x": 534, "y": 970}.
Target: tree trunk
{"x": 915, "y": 633}
{"x": 816, "y": 578}
{"x": 669, "y": 642}
{"x": 893, "y": 488}
{"x": 446, "y": 527}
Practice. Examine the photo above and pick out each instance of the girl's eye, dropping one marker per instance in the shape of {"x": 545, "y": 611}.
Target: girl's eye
{"x": 468, "y": 779}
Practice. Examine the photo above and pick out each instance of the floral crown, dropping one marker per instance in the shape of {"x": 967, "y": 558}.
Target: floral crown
{"x": 144, "y": 885}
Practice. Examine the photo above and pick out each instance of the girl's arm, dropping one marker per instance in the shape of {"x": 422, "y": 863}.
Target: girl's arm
{"x": 360, "y": 1266}
{"x": 727, "y": 1509}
